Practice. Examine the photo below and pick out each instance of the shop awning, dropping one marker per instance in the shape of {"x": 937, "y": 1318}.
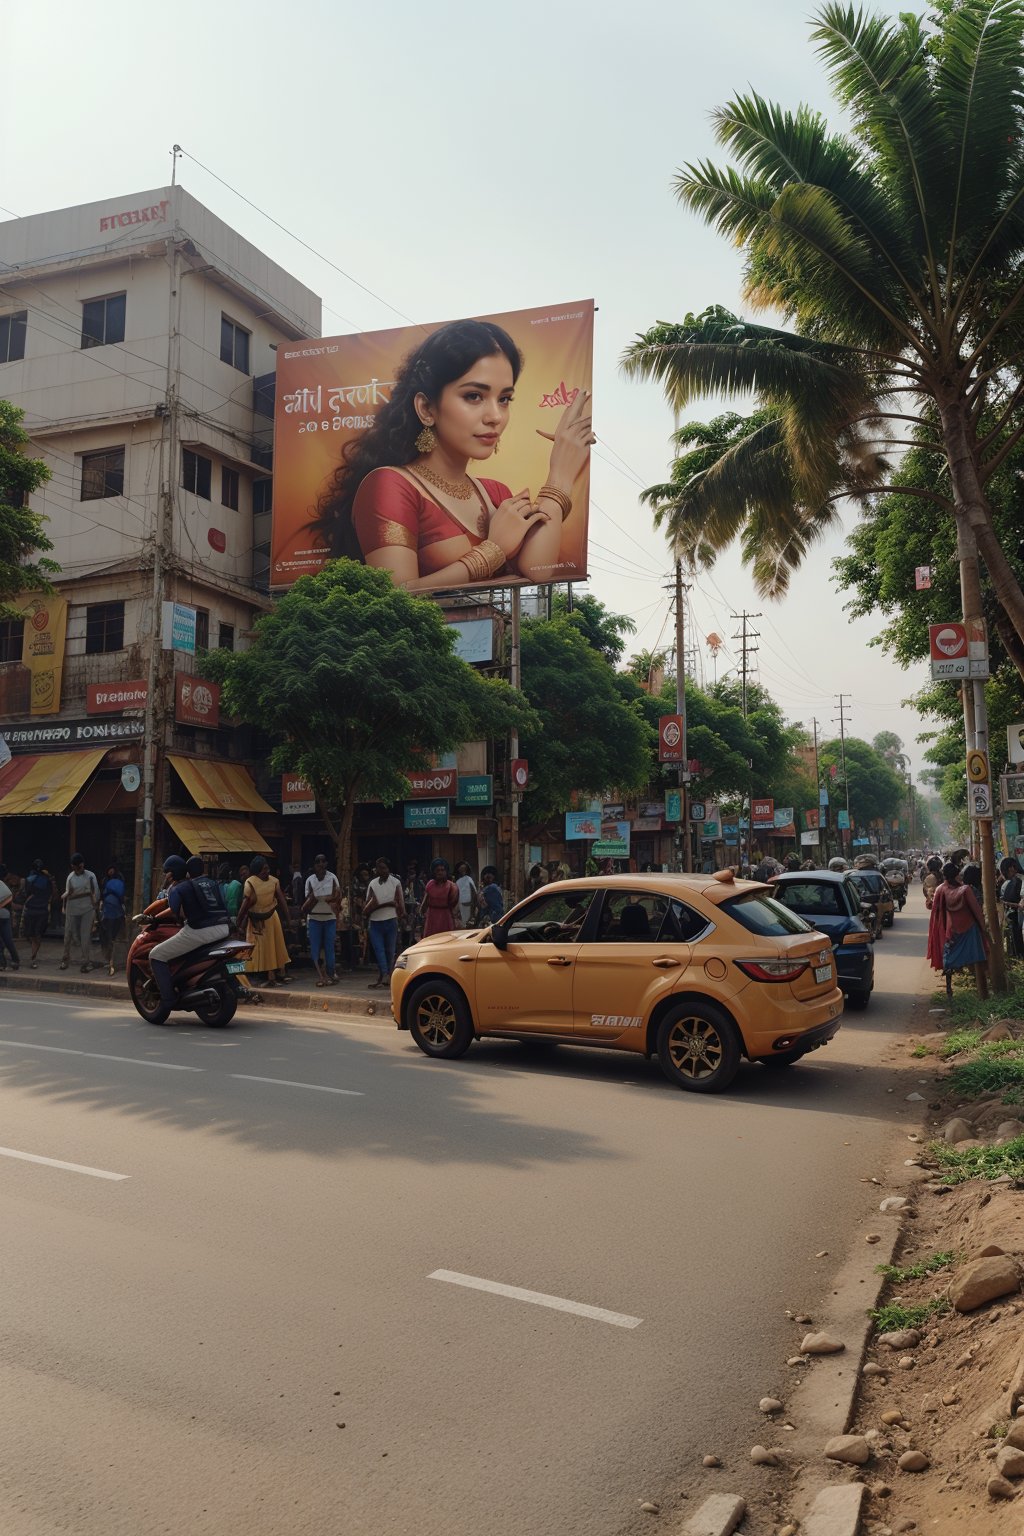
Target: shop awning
{"x": 218, "y": 786}
{"x": 48, "y": 784}
{"x": 216, "y": 834}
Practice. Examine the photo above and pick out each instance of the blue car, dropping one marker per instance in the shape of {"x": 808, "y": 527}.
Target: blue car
{"x": 832, "y": 902}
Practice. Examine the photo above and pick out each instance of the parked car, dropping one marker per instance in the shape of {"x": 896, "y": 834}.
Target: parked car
{"x": 698, "y": 970}
{"x": 876, "y": 890}
{"x": 832, "y": 902}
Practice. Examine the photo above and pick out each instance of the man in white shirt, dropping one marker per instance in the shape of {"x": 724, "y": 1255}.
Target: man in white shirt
{"x": 385, "y": 904}
{"x": 322, "y": 903}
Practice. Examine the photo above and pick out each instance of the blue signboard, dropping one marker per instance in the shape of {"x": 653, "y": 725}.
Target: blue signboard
{"x": 823, "y": 797}
{"x": 475, "y": 789}
{"x": 843, "y": 821}
{"x": 425, "y": 815}
{"x": 582, "y": 824}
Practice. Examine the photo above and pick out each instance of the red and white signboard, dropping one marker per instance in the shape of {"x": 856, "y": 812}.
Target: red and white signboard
{"x": 922, "y": 577}
{"x": 113, "y": 698}
{"x": 196, "y": 702}
{"x": 520, "y": 773}
{"x": 435, "y": 784}
{"x": 670, "y": 739}
{"x": 297, "y": 798}
{"x": 762, "y": 813}
{"x": 958, "y": 650}
{"x": 947, "y": 642}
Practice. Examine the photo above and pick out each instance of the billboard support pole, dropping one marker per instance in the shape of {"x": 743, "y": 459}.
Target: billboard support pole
{"x": 681, "y": 711}
{"x": 515, "y": 680}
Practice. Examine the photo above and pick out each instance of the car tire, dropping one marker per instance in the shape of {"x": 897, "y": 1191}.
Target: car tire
{"x": 698, "y": 1047}
{"x": 439, "y": 1020}
{"x": 857, "y": 1001}
{"x": 887, "y": 921}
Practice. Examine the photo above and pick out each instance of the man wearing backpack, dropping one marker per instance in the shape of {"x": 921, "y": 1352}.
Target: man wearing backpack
{"x": 197, "y": 898}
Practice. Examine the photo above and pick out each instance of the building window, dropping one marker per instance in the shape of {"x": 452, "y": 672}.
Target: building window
{"x": 196, "y": 473}
{"x": 12, "y": 638}
{"x": 234, "y": 345}
{"x": 103, "y": 320}
{"x": 202, "y": 629}
{"x": 104, "y": 628}
{"x": 262, "y": 500}
{"x": 12, "y": 336}
{"x": 229, "y": 488}
{"x": 226, "y": 637}
{"x": 102, "y": 474}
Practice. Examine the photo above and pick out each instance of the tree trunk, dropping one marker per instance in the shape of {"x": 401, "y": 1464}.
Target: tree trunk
{"x": 343, "y": 868}
{"x": 972, "y": 506}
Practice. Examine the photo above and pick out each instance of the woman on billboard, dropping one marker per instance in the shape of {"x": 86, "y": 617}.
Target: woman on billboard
{"x": 403, "y": 498}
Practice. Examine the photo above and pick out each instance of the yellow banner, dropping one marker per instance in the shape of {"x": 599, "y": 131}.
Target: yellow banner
{"x": 46, "y": 620}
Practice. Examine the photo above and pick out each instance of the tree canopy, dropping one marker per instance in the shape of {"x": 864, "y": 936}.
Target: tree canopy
{"x": 23, "y": 538}
{"x": 603, "y": 630}
{"x": 356, "y": 681}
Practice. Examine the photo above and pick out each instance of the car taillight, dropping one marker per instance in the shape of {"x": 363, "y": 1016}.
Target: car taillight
{"x": 772, "y": 970}
{"x": 856, "y": 938}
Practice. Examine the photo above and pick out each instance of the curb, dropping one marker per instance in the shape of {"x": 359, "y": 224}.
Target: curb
{"x": 718, "y": 1516}
{"x": 291, "y": 1002}
{"x": 836, "y": 1511}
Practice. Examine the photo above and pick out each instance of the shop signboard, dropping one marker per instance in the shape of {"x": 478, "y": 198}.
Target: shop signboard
{"x": 1011, "y": 788}
{"x": 651, "y": 810}
{"x": 196, "y": 702}
{"x": 670, "y": 739}
{"x": 613, "y": 842}
{"x": 5, "y": 752}
{"x": 71, "y": 733}
{"x": 475, "y": 789}
{"x": 520, "y": 774}
{"x": 784, "y": 818}
{"x": 42, "y": 651}
{"x": 698, "y": 810}
{"x": 433, "y": 783}
{"x": 762, "y": 814}
{"x": 582, "y": 825}
{"x": 115, "y": 698}
{"x": 613, "y": 811}
{"x": 823, "y": 798}
{"x": 647, "y": 823}
{"x": 331, "y": 390}
{"x": 843, "y": 821}
{"x": 179, "y": 627}
{"x": 979, "y": 801}
{"x": 297, "y": 797}
{"x": 673, "y": 805}
{"x": 813, "y": 820}
{"x": 811, "y": 839}
{"x": 1015, "y": 743}
{"x": 711, "y": 831}
{"x": 425, "y": 815}
{"x": 474, "y": 640}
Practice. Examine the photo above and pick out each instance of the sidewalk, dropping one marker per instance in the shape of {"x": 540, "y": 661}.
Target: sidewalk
{"x": 352, "y": 995}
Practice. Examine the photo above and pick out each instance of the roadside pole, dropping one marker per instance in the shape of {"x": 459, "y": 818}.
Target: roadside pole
{"x": 515, "y": 795}
{"x": 684, "y": 796}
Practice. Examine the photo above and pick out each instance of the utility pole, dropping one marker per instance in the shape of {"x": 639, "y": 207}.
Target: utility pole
{"x": 744, "y": 637}
{"x": 841, "y": 718}
{"x": 817, "y": 787}
{"x": 681, "y": 711}
{"x": 515, "y": 794}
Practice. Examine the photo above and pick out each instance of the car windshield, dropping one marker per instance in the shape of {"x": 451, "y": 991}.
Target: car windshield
{"x": 822, "y": 897}
{"x": 871, "y": 880}
{"x": 763, "y": 914}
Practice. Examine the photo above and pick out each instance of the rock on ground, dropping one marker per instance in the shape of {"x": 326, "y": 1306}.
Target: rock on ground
{"x": 984, "y": 1280}
{"x": 821, "y": 1344}
{"x": 913, "y": 1461}
{"x": 718, "y": 1516}
{"x": 853, "y": 1449}
{"x": 1010, "y": 1462}
{"x": 901, "y": 1338}
{"x": 956, "y": 1130}
{"x": 836, "y": 1511}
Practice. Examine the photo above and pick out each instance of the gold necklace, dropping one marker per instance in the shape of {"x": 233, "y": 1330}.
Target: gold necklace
{"x": 461, "y": 490}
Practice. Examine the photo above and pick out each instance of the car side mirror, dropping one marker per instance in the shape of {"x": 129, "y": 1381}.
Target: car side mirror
{"x": 499, "y": 936}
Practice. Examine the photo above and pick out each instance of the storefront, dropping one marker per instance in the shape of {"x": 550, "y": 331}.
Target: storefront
{"x": 217, "y": 825}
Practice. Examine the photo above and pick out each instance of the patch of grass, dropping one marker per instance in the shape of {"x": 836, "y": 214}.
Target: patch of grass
{"x": 959, "y": 1165}
{"x": 896, "y": 1314}
{"x": 919, "y": 1050}
{"x": 900, "y": 1276}
{"x": 958, "y": 1040}
{"x": 967, "y": 1008}
{"x": 999, "y": 1065}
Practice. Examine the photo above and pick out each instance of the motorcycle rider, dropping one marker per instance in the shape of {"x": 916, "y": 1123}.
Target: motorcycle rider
{"x": 198, "y": 898}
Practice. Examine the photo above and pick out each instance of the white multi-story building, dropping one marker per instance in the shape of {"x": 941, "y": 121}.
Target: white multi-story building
{"x": 138, "y": 336}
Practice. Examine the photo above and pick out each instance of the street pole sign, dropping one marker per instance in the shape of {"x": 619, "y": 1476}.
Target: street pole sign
{"x": 958, "y": 649}
{"x": 670, "y": 739}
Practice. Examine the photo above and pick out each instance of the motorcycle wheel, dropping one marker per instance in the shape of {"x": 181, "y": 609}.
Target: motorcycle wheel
{"x": 145, "y": 996}
{"x": 222, "y": 1011}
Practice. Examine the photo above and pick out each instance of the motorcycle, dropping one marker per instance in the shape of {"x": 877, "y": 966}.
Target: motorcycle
{"x": 203, "y": 978}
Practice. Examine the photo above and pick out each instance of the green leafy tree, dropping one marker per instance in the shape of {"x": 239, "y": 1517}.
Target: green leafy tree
{"x": 22, "y": 532}
{"x": 645, "y": 666}
{"x": 586, "y": 735}
{"x": 603, "y": 630}
{"x": 876, "y": 789}
{"x": 894, "y": 253}
{"x": 356, "y": 681}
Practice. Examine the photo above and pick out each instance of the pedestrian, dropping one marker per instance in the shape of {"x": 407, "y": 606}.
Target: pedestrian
{"x": 7, "y": 923}
{"x": 468, "y": 896}
{"x": 195, "y": 897}
{"x": 492, "y": 900}
{"x": 383, "y": 906}
{"x": 1010, "y": 896}
{"x": 40, "y": 898}
{"x": 112, "y": 914}
{"x": 956, "y": 931}
{"x": 930, "y": 878}
{"x": 440, "y": 900}
{"x": 537, "y": 877}
{"x": 322, "y": 906}
{"x": 264, "y": 916}
{"x": 81, "y": 901}
{"x": 231, "y": 889}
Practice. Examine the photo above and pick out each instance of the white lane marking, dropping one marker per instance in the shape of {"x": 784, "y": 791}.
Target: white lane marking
{"x": 55, "y": 1162}
{"x": 284, "y": 1082}
{"x": 538, "y": 1298}
{"x": 66, "y": 1050}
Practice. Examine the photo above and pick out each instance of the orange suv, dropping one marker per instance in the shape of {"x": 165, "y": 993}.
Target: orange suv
{"x": 698, "y": 970}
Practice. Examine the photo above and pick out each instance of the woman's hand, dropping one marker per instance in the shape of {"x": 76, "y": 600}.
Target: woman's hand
{"x": 512, "y": 522}
{"x": 572, "y": 439}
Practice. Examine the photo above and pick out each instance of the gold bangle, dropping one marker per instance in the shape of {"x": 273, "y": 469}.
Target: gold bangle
{"x": 558, "y": 497}
{"x": 484, "y": 560}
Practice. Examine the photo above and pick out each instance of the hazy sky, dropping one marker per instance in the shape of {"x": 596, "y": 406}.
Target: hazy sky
{"x": 464, "y": 159}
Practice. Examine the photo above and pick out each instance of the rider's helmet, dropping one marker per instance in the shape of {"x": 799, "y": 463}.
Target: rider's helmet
{"x": 838, "y": 865}
{"x": 175, "y": 867}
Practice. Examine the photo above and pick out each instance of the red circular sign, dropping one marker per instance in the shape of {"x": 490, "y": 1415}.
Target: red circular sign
{"x": 217, "y": 540}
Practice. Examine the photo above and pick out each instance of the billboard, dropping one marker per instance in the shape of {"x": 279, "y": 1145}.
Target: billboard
{"x": 409, "y": 480}
{"x": 46, "y": 616}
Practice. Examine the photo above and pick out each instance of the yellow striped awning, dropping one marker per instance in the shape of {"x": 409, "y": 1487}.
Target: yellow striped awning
{"x": 51, "y": 783}
{"x": 216, "y": 834}
{"x": 218, "y": 786}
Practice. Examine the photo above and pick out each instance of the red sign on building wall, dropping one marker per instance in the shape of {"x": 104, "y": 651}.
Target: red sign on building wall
{"x": 196, "y": 702}
{"x": 434, "y": 784}
{"x": 113, "y": 698}
{"x": 670, "y": 739}
{"x": 762, "y": 813}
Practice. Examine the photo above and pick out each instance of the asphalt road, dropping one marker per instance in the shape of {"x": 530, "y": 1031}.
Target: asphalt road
{"x": 241, "y": 1333}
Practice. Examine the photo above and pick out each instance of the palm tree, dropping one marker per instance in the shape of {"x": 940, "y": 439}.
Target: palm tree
{"x": 895, "y": 256}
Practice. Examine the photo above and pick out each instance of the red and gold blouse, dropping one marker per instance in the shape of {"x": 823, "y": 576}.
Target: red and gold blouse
{"x": 390, "y": 510}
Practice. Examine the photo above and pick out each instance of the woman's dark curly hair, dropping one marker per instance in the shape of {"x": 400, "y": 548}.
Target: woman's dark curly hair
{"x": 446, "y": 355}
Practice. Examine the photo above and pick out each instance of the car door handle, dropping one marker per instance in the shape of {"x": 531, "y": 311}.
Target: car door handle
{"x": 465, "y": 958}
{"x": 665, "y": 964}
{"x": 559, "y": 960}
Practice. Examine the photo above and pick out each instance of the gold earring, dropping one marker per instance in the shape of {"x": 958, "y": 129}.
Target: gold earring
{"x": 497, "y": 444}
{"x": 426, "y": 441}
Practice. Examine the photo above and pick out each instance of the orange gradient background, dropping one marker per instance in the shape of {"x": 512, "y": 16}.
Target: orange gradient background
{"x": 557, "y": 344}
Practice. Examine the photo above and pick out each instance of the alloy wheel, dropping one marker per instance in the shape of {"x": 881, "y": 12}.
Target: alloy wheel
{"x": 436, "y": 1019}
{"x": 695, "y": 1047}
